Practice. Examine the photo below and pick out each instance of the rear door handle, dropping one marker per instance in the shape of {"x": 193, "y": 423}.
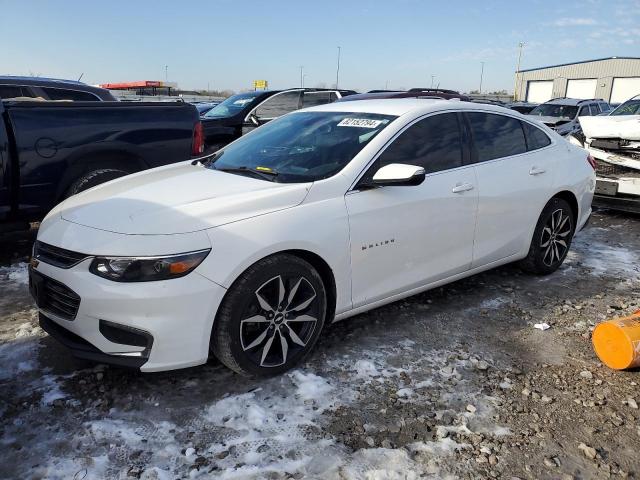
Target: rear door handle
{"x": 536, "y": 171}
{"x": 465, "y": 187}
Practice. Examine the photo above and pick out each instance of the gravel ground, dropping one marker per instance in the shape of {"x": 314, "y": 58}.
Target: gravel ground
{"x": 452, "y": 383}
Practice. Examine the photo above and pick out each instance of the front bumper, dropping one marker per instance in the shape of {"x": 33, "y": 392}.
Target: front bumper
{"x": 175, "y": 315}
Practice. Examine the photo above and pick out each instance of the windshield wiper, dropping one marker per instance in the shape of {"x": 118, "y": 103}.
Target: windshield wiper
{"x": 269, "y": 174}
{"x": 208, "y": 159}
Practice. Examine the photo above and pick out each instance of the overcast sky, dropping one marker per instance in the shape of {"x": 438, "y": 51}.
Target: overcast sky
{"x": 228, "y": 43}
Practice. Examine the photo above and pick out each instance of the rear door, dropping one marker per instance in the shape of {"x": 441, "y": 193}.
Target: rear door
{"x": 514, "y": 180}
{"x": 404, "y": 237}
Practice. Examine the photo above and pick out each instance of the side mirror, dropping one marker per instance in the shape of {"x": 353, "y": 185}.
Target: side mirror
{"x": 399, "y": 174}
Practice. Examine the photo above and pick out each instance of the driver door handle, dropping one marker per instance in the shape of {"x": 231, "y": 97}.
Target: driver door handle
{"x": 465, "y": 187}
{"x": 536, "y": 171}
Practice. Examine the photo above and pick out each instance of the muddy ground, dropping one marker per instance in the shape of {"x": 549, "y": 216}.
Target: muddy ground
{"x": 452, "y": 383}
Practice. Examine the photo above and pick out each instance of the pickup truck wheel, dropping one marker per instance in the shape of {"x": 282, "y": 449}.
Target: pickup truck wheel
{"x": 94, "y": 178}
{"x": 271, "y": 317}
{"x": 551, "y": 239}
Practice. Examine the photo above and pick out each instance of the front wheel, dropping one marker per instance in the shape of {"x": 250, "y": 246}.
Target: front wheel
{"x": 551, "y": 238}
{"x": 271, "y": 317}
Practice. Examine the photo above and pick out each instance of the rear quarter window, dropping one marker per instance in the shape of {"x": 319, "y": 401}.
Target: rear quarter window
{"x": 73, "y": 95}
{"x": 536, "y": 138}
{"x": 496, "y": 136}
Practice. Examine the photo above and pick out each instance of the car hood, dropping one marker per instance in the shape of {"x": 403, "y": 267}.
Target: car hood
{"x": 626, "y": 127}
{"x": 550, "y": 121}
{"x": 180, "y": 198}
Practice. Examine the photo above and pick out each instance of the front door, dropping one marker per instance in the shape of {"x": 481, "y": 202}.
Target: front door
{"x": 404, "y": 237}
{"x": 273, "y": 107}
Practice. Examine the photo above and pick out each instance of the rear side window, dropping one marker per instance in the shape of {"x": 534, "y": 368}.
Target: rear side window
{"x": 536, "y": 138}
{"x": 14, "y": 91}
{"x": 496, "y": 136}
{"x": 595, "y": 109}
{"x": 433, "y": 143}
{"x": 311, "y": 99}
{"x": 73, "y": 95}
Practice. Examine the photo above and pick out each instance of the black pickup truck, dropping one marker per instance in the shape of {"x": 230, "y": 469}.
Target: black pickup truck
{"x": 51, "y": 150}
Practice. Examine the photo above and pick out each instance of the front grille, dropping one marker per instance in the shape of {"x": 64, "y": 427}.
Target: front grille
{"x": 53, "y": 296}
{"x": 56, "y": 256}
{"x": 612, "y": 170}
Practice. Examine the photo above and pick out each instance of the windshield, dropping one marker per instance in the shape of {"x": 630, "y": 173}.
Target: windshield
{"x": 303, "y": 146}
{"x": 552, "y": 110}
{"x": 630, "y": 107}
{"x": 231, "y": 105}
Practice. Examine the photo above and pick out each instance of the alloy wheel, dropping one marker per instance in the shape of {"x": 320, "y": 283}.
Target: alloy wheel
{"x": 555, "y": 238}
{"x": 279, "y": 321}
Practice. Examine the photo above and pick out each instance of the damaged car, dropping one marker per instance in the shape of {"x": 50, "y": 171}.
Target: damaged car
{"x": 562, "y": 114}
{"x": 614, "y": 142}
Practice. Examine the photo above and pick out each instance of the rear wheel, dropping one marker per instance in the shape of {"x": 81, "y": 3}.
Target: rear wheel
{"x": 551, "y": 238}
{"x": 271, "y": 317}
{"x": 94, "y": 178}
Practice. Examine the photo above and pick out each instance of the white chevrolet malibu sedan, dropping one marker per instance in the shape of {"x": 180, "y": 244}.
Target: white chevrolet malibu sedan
{"x": 312, "y": 218}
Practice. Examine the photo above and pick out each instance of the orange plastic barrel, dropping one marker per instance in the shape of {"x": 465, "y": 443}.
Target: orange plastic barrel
{"x": 617, "y": 342}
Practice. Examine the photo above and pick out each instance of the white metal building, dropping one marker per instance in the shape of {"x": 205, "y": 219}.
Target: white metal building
{"x": 614, "y": 79}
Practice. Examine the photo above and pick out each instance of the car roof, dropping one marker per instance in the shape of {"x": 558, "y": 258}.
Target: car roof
{"x": 573, "y": 101}
{"x": 402, "y": 106}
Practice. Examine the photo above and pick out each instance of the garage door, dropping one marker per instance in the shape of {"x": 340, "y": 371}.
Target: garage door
{"x": 539, "y": 91}
{"x": 624, "y": 88}
{"x": 583, "y": 88}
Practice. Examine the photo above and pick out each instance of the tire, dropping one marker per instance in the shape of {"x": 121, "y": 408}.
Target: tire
{"x": 551, "y": 239}
{"x": 266, "y": 326}
{"x": 94, "y": 178}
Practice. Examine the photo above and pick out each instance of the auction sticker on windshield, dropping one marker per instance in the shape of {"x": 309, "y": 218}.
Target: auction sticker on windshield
{"x": 359, "y": 122}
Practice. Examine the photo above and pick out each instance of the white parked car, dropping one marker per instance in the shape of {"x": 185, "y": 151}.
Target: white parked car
{"x": 315, "y": 217}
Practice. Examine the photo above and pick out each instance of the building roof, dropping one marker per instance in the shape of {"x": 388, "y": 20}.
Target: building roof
{"x": 578, "y": 63}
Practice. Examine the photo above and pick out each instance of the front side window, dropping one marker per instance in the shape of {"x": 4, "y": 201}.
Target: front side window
{"x": 536, "y": 138}
{"x": 595, "y": 109}
{"x": 432, "y": 143}
{"x": 496, "y": 136}
{"x": 584, "y": 111}
{"x": 72, "y": 95}
{"x": 302, "y": 147}
{"x": 566, "y": 112}
{"x": 232, "y": 105}
{"x": 278, "y": 105}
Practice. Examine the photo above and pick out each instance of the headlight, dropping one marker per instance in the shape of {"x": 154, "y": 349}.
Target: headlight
{"x": 147, "y": 269}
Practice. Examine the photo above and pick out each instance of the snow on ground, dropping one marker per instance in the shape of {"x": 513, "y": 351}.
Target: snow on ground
{"x": 14, "y": 276}
{"x": 601, "y": 258}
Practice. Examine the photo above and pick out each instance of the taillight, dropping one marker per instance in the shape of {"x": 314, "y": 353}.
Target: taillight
{"x": 197, "y": 147}
{"x": 592, "y": 162}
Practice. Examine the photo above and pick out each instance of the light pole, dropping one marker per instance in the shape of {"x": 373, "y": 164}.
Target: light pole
{"x": 515, "y": 86}
{"x": 432, "y": 79}
{"x": 338, "y": 70}
{"x": 301, "y": 76}
{"x": 166, "y": 73}
{"x": 481, "y": 75}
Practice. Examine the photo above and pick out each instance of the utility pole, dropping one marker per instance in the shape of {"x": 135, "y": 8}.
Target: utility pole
{"x": 386, "y": 85}
{"x": 338, "y": 70}
{"x": 481, "y": 75}
{"x": 432, "y": 79}
{"x": 166, "y": 73}
{"x": 301, "y": 76}
{"x": 515, "y": 87}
